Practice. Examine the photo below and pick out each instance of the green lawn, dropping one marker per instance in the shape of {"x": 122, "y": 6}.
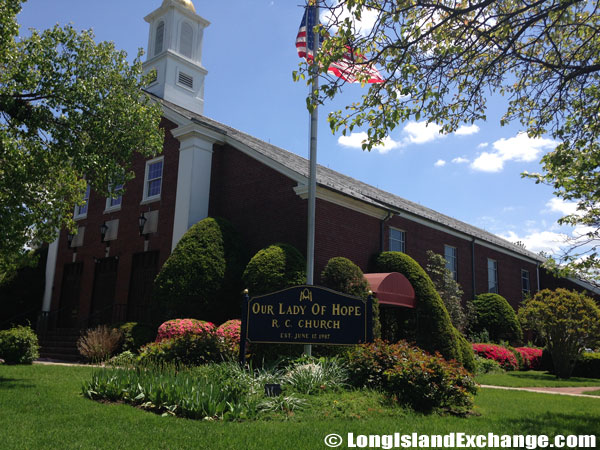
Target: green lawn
{"x": 40, "y": 407}
{"x": 533, "y": 379}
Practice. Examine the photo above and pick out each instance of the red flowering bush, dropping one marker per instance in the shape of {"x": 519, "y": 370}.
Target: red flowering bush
{"x": 229, "y": 336}
{"x": 532, "y": 357}
{"x": 181, "y": 327}
{"x": 503, "y": 356}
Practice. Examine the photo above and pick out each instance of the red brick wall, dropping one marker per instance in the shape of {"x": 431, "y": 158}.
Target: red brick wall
{"x": 259, "y": 201}
{"x": 128, "y": 241}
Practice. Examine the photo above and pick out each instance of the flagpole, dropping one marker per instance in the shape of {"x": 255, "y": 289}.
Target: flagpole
{"x": 312, "y": 179}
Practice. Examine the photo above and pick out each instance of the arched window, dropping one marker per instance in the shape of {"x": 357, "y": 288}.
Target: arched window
{"x": 160, "y": 37}
{"x": 186, "y": 39}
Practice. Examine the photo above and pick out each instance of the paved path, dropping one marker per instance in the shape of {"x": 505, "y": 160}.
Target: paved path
{"x": 571, "y": 391}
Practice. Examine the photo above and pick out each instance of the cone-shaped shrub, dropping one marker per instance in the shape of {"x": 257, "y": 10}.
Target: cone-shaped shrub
{"x": 494, "y": 314}
{"x": 274, "y": 268}
{"x": 434, "y": 328}
{"x": 201, "y": 277}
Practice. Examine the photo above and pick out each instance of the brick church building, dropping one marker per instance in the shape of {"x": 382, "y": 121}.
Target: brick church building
{"x": 104, "y": 273}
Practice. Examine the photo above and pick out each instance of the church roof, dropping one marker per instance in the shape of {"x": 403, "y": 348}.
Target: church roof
{"x": 349, "y": 186}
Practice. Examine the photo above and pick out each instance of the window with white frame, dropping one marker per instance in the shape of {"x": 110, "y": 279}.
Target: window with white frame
{"x": 159, "y": 38}
{"x": 397, "y": 240}
{"x": 525, "y": 285}
{"x": 451, "y": 260}
{"x": 81, "y": 210}
{"x": 153, "y": 179}
{"x": 492, "y": 276}
{"x": 114, "y": 202}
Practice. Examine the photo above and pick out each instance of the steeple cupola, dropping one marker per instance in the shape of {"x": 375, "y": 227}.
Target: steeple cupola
{"x": 175, "y": 54}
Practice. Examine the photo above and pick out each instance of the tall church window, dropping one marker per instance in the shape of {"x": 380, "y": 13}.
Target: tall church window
{"x": 160, "y": 38}
{"x": 186, "y": 40}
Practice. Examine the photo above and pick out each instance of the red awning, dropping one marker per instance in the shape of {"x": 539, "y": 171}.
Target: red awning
{"x": 392, "y": 289}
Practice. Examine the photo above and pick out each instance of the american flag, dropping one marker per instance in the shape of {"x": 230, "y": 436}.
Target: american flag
{"x": 305, "y": 41}
{"x": 349, "y": 68}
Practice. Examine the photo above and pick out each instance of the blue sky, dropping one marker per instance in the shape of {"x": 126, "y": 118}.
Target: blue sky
{"x": 249, "y": 51}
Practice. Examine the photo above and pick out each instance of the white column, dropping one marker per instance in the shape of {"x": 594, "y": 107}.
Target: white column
{"x": 50, "y": 271}
{"x": 193, "y": 179}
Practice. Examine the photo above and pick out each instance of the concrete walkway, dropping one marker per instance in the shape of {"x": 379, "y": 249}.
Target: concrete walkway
{"x": 570, "y": 391}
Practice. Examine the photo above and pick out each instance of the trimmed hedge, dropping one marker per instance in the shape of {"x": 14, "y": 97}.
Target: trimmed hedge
{"x": 493, "y": 313}
{"x": 18, "y": 345}
{"x": 273, "y": 268}
{"x": 201, "y": 278}
{"x": 588, "y": 366}
{"x": 342, "y": 275}
{"x": 435, "y": 331}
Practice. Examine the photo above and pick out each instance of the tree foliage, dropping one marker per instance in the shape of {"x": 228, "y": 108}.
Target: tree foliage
{"x": 449, "y": 290}
{"x": 70, "y": 109}
{"x": 567, "y": 321}
{"x": 442, "y": 60}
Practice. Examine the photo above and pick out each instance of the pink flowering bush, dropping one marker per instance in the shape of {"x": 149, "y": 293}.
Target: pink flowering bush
{"x": 532, "y": 357}
{"x": 229, "y": 336}
{"x": 503, "y": 356}
{"x": 181, "y": 327}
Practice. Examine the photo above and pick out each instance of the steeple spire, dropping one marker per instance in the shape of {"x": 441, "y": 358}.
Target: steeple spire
{"x": 175, "y": 54}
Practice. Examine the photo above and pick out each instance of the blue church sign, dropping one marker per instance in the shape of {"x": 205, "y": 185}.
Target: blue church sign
{"x": 307, "y": 315}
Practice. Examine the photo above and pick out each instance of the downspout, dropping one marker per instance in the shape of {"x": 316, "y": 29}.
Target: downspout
{"x": 382, "y": 232}
{"x": 537, "y": 275}
{"x": 473, "y": 265}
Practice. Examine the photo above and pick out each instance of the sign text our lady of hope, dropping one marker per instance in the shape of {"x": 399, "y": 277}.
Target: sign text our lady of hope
{"x": 308, "y": 315}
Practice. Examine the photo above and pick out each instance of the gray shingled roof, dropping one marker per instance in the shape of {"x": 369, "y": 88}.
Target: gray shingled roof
{"x": 349, "y": 186}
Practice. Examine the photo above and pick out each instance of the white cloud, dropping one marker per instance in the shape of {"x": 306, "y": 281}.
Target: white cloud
{"x": 364, "y": 26}
{"x": 467, "y": 130}
{"x": 518, "y": 148}
{"x": 440, "y": 163}
{"x": 559, "y": 205}
{"x": 538, "y": 241}
{"x": 460, "y": 160}
{"x": 483, "y": 145}
{"x": 488, "y": 162}
{"x": 355, "y": 140}
{"x": 422, "y": 132}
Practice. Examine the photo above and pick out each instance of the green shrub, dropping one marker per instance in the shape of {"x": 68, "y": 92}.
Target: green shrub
{"x": 124, "y": 359}
{"x": 201, "y": 278}
{"x": 186, "y": 350}
{"x": 229, "y": 338}
{"x": 448, "y": 288}
{"x": 135, "y": 335}
{"x": 273, "y": 268}
{"x": 493, "y": 313}
{"x": 98, "y": 344}
{"x": 342, "y": 275}
{"x": 567, "y": 321}
{"x": 367, "y": 362}
{"x": 435, "y": 331}
{"x": 485, "y": 365}
{"x": 18, "y": 345}
{"x": 588, "y": 366}
{"x": 428, "y": 382}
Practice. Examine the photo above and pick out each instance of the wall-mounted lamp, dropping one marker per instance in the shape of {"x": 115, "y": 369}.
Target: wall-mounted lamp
{"x": 141, "y": 223}
{"x": 103, "y": 230}
{"x": 70, "y": 237}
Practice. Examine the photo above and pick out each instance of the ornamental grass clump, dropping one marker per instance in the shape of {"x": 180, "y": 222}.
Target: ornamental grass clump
{"x": 98, "y": 344}
{"x": 501, "y": 355}
{"x": 310, "y": 376}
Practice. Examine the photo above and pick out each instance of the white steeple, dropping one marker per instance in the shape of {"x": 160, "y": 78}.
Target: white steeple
{"x": 175, "y": 54}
